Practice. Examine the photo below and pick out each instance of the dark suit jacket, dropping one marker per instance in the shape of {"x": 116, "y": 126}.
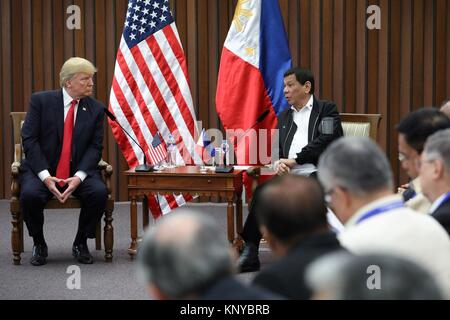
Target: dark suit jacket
{"x": 442, "y": 215}
{"x": 317, "y": 142}
{"x": 230, "y": 288}
{"x": 43, "y": 129}
{"x": 286, "y": 276}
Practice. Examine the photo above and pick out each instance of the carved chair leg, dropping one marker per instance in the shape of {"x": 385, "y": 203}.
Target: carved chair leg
{"x": 17, "y": 245}
{"x": 109, "y": 231}
{"x": 98, "y": 236}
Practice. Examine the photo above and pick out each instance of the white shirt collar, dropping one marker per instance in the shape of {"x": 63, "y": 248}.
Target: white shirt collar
{"x": 308, "y": 105}
{"x": 437, "y": 202}
{"x": 67, "y": 98}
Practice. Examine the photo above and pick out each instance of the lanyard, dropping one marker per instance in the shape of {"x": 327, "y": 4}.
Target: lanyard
{"x": 447, "y": 196}
{"x": 380, "y": 210}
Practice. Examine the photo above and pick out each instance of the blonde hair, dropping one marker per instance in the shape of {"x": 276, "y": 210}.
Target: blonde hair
{"x": 73, "y": 66}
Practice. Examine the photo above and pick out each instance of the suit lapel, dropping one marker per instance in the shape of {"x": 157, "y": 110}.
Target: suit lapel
{"x": 59, "y": 114}
{"x": 313, "y": 119}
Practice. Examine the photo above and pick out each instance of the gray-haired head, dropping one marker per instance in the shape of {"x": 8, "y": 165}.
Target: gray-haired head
{"x": 184, "y": 253}
{"x": 437, "y": 147}
{"x": 356, "y": 164}
{"x": 342, "y": 276}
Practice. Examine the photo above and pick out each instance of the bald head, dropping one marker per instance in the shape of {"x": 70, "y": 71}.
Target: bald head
{"x": 445, "y": 108}
{"x": 292, "y": 207}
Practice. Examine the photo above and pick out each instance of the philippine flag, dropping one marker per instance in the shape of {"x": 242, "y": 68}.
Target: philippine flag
{"x": 254, "y": 59}
{"x": 204, "y": 148}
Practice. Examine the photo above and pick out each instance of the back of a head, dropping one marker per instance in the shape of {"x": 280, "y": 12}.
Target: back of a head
{"x": 371, "y": 277}
{"x": 420, "y": 124}
{"x": 438, "y": 147}
{"x": 184, "y": 253}
{"x": 292, "y": 207}
{"x": 357, "y": 164}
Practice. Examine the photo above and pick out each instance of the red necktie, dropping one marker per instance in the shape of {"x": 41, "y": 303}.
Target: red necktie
{"x": 63, "y": 169}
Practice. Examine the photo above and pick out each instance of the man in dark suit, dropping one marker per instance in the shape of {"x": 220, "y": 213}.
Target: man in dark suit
{"x": 292, "y": 216}
{"x": 186, "y": 256}
{"x": 62, "y": 138}
{"x": 306, "y": 128}
{"x": 435, "y": 176}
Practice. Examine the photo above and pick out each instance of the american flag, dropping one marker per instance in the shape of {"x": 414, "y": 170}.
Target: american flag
{"x": 157, "y": 150}
{"x": 150, "y": 90}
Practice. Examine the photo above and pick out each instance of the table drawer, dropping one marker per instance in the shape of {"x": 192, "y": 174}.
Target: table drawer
{"x": 179, "y": 183}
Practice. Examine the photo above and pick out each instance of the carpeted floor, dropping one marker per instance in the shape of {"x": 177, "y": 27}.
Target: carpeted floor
{"x": 101, "y": 280}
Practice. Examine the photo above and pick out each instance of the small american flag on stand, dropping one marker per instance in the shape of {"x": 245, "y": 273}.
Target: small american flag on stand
{"x": 157, "y": 149}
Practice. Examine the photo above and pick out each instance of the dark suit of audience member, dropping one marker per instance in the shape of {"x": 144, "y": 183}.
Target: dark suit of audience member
{"x": 63, "y": 140}
{"x": 230, "y": 288}
{"x": 292, "y": 215}
{"x": 186, "y": 256}
{"x": 435, "y": 176}
{"x": 306, "y": 128}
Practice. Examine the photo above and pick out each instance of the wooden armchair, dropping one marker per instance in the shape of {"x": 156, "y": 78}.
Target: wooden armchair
{"x": 71, "y": 203}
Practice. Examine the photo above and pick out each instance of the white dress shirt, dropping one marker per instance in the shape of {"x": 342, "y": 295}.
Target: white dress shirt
{"x": 300, "y": 140}
{"x": 67, "y": 103}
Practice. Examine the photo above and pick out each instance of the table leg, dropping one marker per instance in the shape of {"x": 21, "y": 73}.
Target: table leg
{"x": 239, "y": 213}
{"x": 230, "y": 220}
{"x": 145, "y": 213}
{"x": 133, "y": 224}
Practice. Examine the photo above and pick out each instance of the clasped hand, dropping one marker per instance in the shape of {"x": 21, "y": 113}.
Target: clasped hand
{"x": 72, "y": 184}
{"x": 283, "y": 166}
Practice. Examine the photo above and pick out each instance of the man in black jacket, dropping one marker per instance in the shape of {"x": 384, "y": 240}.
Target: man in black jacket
{"x": 292, "y": 215}
{"x": 306, "y": 128}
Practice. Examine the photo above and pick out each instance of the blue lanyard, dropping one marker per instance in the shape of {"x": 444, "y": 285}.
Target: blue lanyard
{"x": 380, "y": 210}
{"x": 447, "y": 196}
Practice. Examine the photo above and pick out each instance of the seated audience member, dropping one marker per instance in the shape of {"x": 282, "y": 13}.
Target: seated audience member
{"x": 186, "y": 256}
{"x": 435, "y": 176}
{"x": 370, "y": 277}
{"x": 413, "y": 131}
{"x": 357, "y": 179}
{"x": 445, "y": 108}
{"x": 306, "y": 128}
{"x": 292, "y": 216}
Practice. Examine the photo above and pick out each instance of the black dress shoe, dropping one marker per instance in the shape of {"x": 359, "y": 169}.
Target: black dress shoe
{"x": 82, "y": 254}
{"x": 249, "y": 260}
{"x": 39, "y": 255}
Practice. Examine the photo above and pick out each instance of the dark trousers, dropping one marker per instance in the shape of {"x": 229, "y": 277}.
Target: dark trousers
{"x": 250, "y": 232}
{"x": 34, "y": 195}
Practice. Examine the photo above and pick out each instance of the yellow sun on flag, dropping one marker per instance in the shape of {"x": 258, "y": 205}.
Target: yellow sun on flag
{"x": 241, "y": 15}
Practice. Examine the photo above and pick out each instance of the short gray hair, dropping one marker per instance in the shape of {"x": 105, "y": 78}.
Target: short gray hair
{"x": 342, "y": 276}
{"x": 184, "y": 253}
{"x": 438, "y": 147}
{"x": 356, "y": 164}
{"x": 73, "y": 66}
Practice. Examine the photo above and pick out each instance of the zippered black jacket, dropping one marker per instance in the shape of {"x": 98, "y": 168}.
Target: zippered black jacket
{"x": 317, "y": 142}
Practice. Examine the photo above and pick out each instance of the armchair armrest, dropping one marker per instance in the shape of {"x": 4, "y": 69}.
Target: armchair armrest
{"x": 254, "y": 172}
{"x": 107, "y": 171}
{"x": 15, "y": 166}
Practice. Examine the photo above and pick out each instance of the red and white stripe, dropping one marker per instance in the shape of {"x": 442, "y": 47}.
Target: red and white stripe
{"x": 150, "y": 93}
